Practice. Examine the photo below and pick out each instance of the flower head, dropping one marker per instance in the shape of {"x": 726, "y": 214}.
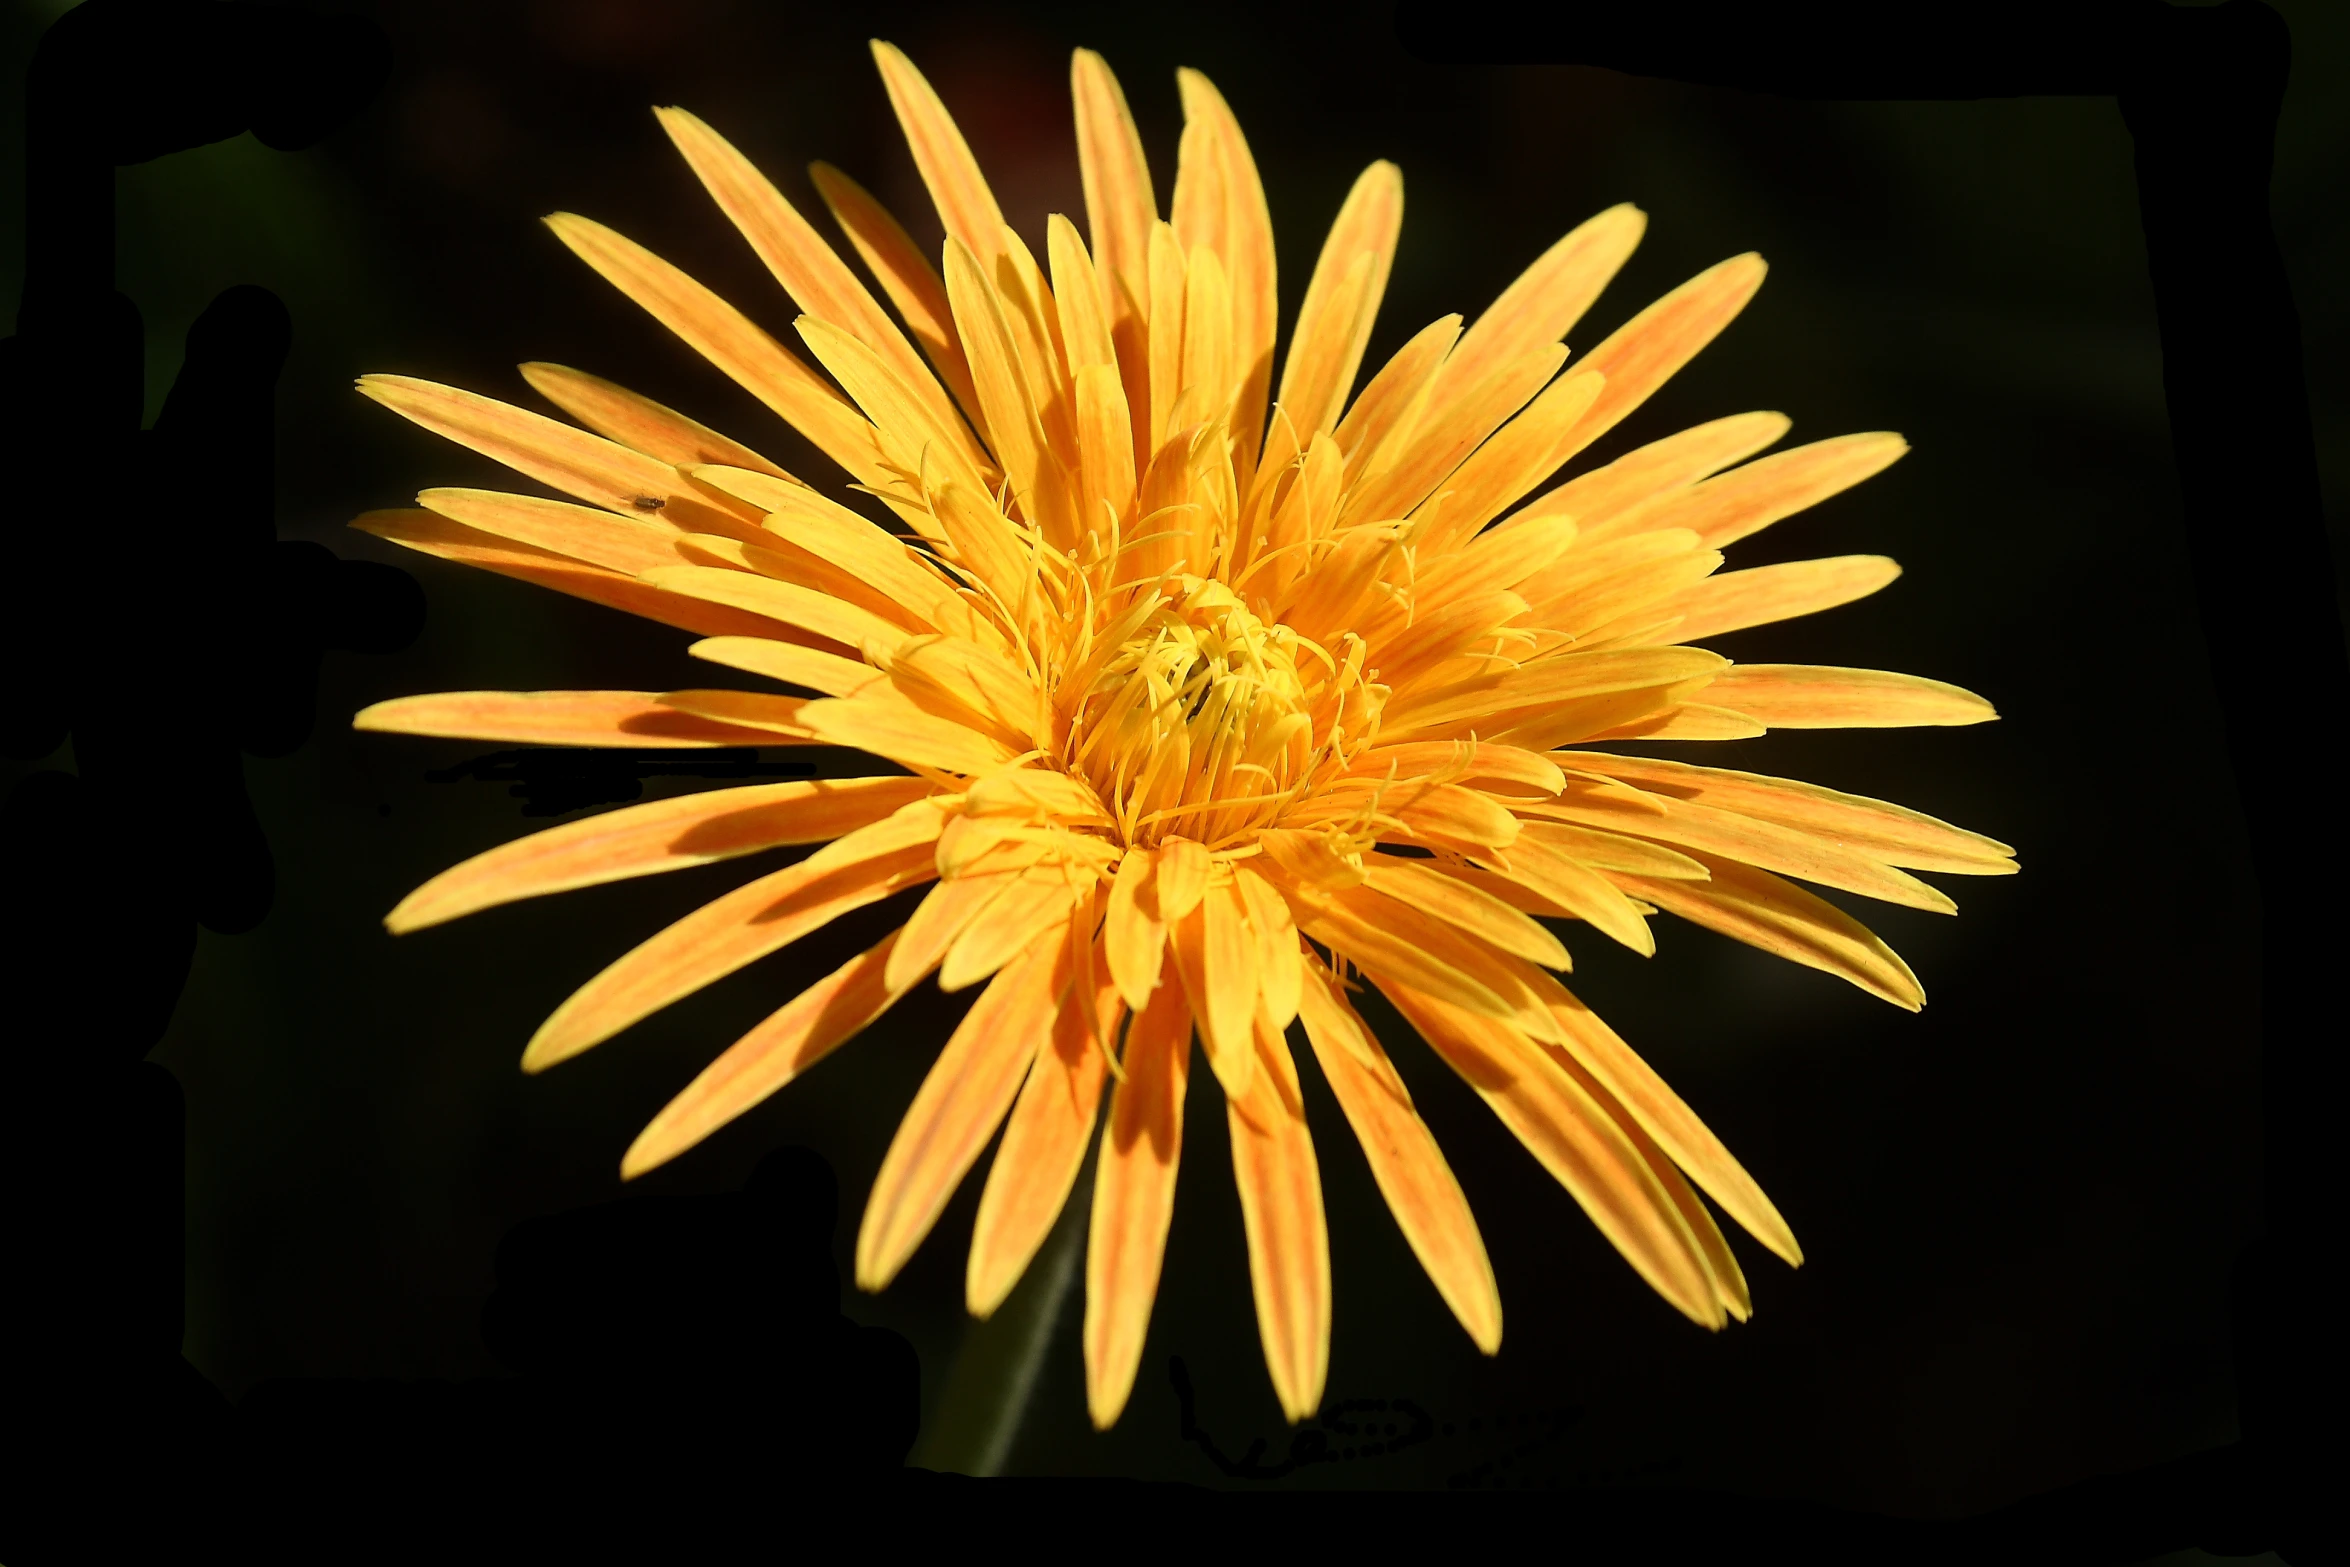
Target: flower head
{"x": 1214, "y": 696}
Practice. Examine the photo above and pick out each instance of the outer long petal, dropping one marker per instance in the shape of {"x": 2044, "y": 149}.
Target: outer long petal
{"x": 958, "y": 1108}
{"x": 1288, "y": 1238}
{"x": 1419, "y": 1186}
{"x": 1044, "y": 1144}
{"x": 1133, "y": 1198}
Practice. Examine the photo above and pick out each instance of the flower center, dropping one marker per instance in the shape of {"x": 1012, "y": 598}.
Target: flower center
{"x": 1200, "y": 724}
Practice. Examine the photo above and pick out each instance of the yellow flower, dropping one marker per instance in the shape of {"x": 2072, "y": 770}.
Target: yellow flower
{"x": 1212, "y": 692}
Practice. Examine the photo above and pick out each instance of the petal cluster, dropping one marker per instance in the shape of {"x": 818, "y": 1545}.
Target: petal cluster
{"x": 1211, "y": 696}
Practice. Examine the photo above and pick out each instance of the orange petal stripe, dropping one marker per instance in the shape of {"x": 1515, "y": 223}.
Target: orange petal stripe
{"x": 660, "y": 835}
{"x": 965, "y": 205}
{"x": 1649, "y": 349}
{"x": 1817, "y": 696}
{"x": 1133, "y": 1198}
{"x": 1660, "y": 1113}
{"x": 728, "y": 339}
{"x": 636, "y": 421}
{"x": 573, "y": 461}
{"x": 581, "y": 533}
{"x": 800, "y": 1033}
{"x": 1790, "y": 851}
{"x": 1764, "y": 595}
{"x": 1600, "y": 498}
{"x": 958, "y": 1108}
{"x": 1748, "y": 499}
{"x": 1891, "y": 833}
{"x": 1419, "y": 1186}
{"x": 912, "y": 283}
{"x": 632, "y": 719}
{"x": 1043, "y": 1147}
{"x": 435, "y": 535}
{"x": 1781, "y": 918}
{"x": 1230, "y": 1055}
{"x": 1288, "y": 1238}
{"x": 720, "y": 937}
{"x": 1547, "y": 299}
{"x": 1334, "y": 320}
{"x": 807, "y": 267}
{"x": 1576, "y": 1140}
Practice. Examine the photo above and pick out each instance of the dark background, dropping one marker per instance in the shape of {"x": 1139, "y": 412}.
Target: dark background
{"x": 2019, "y": 1207}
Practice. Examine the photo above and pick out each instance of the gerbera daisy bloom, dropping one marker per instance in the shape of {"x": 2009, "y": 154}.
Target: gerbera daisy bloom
{"x": 1212, "y": 696}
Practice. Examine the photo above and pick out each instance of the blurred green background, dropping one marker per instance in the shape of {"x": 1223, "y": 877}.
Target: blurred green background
{"x": 2019, "y": 1207}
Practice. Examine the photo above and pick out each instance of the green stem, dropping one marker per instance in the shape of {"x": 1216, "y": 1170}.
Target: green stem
{"x": 980, "y": 1414}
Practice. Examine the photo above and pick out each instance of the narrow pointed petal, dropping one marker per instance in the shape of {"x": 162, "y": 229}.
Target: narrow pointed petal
{"x": 1419, "y": 1186}
{"x": 1043, "y": 1147}
{"x": 1133, "y": 1199}
{"x": 1891, "y": 833}
{"x": 1661, "y": 1115}
{"x": 1601, "y": 499}
{"x": 594, "y": 469}
{"x": 1682, "y": 721}
{"x": 739, "y": 929}
{"x": 1576, "y": 1140}
{"x": 1573, "y": 886}
{"x": 805, "y": 265}
{"x": 1391, "y": 401}
{"x": 1244, "y": 244}
{"x": 1334, "y": 321}
{"x": 797, "y": 1035}
{"x": 727, "y": 338}
{"x": 958, "y": 1108}
{"x": 906, "y": 275}
{"x": 637, "y": 422}
{"x": 945, "y": 912}
{"x": 1003, "y": 380}
{"x": 1547, "y": 299}
{"x": 1288, "y": 1238}
{"x": 1713, "y": 1249}
{"x": 1168, "y": 293}
{"x": 1228, "y": 961}
{"x": 777, "y": 716}
{"x": 965, "y": 205}
{"x": 1816, "y": 696}
{"x": 1378, "y": 932}
{"x": 1692, "y": 826}
{"x": 432, "y": 534}
{"x": 1119, "y": 206}
{"x": 1779, "y": 917}
{"x": 1520, "y": 455}
{"x": 629, "y": 719}
{"x": 1458, "y": 904}
{"x": 1736, "y": 600}
{"x": 1485, "y": 698}
{"x": 1748, "y": 499}
{"x": 582, "y": 533}
{"x": 660, "y": 835}
{"x": 850, "y": 624}
{"x": 918, "y": 431}
{"x": 1612, "y": 851}
{"x": 1184, "y": 867}
{"x": 1465, "y": 762}
{"x": 831, "y": 532}
{"x": 1649, "y": 349}
{"x": 1407, "y": 469}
